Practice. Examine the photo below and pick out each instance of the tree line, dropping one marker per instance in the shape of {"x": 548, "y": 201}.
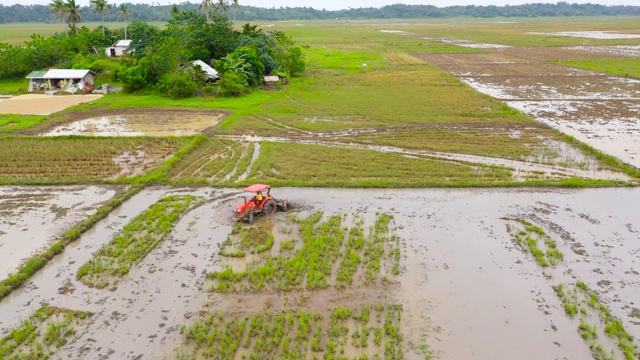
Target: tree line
{"x": 147, "y": 13}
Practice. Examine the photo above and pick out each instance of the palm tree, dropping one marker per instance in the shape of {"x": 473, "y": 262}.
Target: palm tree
{"x": 236, "y": 6}
{"x": 208, "y": 8}
{"x": 72, "y": 13}
{"x": 99, "y": 7}
{"x": 222, "y": 5}
{"x": 58, "y": 8}
{"x": 123, "y": 11}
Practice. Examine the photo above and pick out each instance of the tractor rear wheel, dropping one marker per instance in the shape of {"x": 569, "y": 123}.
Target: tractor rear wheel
{"x": 250, "y": 218}
{"x": 269, "y": 207}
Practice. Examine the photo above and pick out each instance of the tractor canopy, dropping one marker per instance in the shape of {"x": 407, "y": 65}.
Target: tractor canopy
{"x": 257, "y": 188}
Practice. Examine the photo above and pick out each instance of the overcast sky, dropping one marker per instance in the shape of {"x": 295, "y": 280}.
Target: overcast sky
{"x": 342, "y": 4}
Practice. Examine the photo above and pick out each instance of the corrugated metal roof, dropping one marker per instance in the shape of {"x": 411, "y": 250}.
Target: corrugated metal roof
{"x": 66, "y": 74}
{"x": 123, "y": 43}
{"x": 206, "y": 68}
{"x": 36, "y": 75}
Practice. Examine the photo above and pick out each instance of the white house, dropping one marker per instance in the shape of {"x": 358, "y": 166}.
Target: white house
{"x": 60, "y": 79}
{"x": 119, "y": 48}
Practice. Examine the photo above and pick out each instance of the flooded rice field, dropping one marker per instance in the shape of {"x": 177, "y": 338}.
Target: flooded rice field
{"x": 31, "y": 218}
{"x": 139, "y": 124}
{"x": 466, "y": 287}
{"x": 599, "y": 110}
{"x": 39, "y": 104}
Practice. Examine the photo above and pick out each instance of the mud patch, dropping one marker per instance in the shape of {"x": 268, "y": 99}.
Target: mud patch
{"x": 165, "y": 124}
{"x": 34, "y": 217}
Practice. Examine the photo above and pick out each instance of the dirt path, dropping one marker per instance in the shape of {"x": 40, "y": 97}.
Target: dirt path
{"x": 467, "y": 290}
{"x": 35, "y": 104}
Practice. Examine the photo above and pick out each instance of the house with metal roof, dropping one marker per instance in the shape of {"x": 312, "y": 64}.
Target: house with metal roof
{"x": 119, "y": 48}
{"x": 69, "y": 80}
{"x": 211, "y": 73}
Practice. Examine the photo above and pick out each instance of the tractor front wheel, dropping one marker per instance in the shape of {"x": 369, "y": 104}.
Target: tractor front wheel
{"x": 250, "y": 218}
{"x": 269, "y": 207}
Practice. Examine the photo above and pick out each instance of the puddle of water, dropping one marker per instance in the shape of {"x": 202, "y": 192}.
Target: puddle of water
{"x": 31, "y": 218}
{"x": 139, "y": 125}
{"x": 463, "y": 281}
{"x": 624, "y": 50}
{"x": 590, "y": 34}
{"x": 610, "y": 127}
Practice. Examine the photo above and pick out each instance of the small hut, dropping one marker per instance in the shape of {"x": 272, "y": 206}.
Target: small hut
{"x": 61, "y": 79}
{"x": 119, "y": 48}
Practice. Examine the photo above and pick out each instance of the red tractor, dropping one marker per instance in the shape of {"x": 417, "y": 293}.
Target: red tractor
{"x": 260, "y": 204}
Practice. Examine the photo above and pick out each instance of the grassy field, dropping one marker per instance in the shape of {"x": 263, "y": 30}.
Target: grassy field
{"x": 18, "y": 33}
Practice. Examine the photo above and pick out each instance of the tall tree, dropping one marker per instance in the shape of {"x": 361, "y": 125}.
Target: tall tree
{"x": 222, "y": 5}
{"x": 236, "y": 6}
{"x": 58, "y": 8}
{"x": 99, "y": 7}
{"x": 174, "y": 11}
{"x": 208, "y": 7}
{"x": 123, "y": 12}
{"x": 72, "y": 14}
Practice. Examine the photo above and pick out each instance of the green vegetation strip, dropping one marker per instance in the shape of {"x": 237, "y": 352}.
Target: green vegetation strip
{"x": 42, "y": 334}
{"x": 579, "y": 299}
{"x": 530, "y": 239}
{"x": 371, "y": 332}
{"x": 13, "y": 281}
{"x": 623, "y": 67}
{"x": 134, "y": 242}
{"x": 251, "y": 239}
{"x": 312, "y": 267}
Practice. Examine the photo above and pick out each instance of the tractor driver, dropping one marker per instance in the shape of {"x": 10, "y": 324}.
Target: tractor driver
{"x": 259, "y": 196}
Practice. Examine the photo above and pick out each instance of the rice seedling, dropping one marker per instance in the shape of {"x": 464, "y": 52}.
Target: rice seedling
{"x": 531, "y": 237}
{"x": 42, "y": 334}
{"x": 324, "y": 245}
{"x": 75, "y": 159}
{"x": 579, "y": 298}
{"x": 291, "y": 335}
{"x": 134, "y": 242}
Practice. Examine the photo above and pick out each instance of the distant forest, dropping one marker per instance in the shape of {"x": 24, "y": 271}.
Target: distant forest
{"x": 146, "y": 12}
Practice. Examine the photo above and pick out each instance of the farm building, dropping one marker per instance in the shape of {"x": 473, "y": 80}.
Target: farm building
{"x": 212, "y": 74}
{"x": 119, "y": 48}
{"x": 61, "y": 79}
{"x": 274, "y": 81}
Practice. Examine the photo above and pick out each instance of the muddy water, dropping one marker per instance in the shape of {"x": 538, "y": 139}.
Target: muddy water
{"x": 31, "y": 218}
{"x": 466, "y": 288}
{"x": 139, "y": 125}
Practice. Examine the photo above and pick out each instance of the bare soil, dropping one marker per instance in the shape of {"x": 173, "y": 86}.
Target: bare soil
{"x": 38, "y": 104}
{"x": 467, "y": 289}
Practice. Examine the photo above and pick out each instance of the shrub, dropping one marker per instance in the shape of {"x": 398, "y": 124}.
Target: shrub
{"x": 232, "y": 84}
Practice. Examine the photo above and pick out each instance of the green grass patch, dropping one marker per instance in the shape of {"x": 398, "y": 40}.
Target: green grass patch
{"x": 14, "y": 86}
{"x": 134, "y": 242}
{"x": 622, "y": 67}
{"x": 14, "y": 122}
{"x": 532, "y": 239}
{"x": 42, "y": 334}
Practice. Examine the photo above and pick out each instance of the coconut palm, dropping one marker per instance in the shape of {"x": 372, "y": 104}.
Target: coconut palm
{"x": 222, "y": 5}
{"x": 236, "y": 6}
{"x": 208, "y": 7}
{"x": 99, "y": 7}
{"x": 58, "y": 8}
{"x": 72, "y": 14}
{"x": 123, "y": 12}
